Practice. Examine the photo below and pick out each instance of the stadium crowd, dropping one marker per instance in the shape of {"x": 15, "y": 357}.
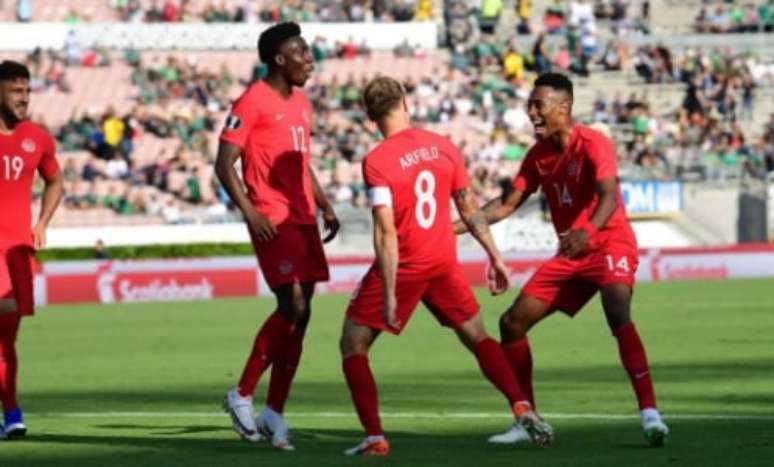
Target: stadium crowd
{"x": 223, "y": 11}
{"x": 478, "y": 99}
{"x": 735, "y": 17}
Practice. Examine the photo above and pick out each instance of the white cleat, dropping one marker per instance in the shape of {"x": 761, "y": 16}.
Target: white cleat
{"x": 539, "y": 431}
{"x": 242, "y": 415}
{"x": 655, "y": 430}
{"x": 13, "y": 431}
{"x": 271, "y": 425}
{"x": 514, "y": 435}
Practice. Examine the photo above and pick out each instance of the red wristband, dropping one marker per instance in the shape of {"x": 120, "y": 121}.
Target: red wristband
{"x": 589, "y": 228}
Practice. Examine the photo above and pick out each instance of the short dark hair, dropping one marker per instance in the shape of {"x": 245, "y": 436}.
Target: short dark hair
{"x": 11, "y": 70}
{"x": 381, "y": 96}
{"x": 271, "y": 39}
{"x": 557, "y": 81}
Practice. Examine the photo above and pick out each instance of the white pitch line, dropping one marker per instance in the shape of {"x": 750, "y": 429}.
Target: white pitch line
{"x": 414, "y": 415}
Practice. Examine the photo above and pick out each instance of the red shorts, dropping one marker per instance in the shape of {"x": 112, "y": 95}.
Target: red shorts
{"x": 17, "y": 270}
{"x": 295, "y": 254}
{"x": 568, "y": 284}
{"x": 448, "y": 297}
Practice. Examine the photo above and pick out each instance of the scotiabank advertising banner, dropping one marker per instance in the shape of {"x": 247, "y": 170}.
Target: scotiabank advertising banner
{"x": 148, "y": 281}
{"x": 204, "y": 279}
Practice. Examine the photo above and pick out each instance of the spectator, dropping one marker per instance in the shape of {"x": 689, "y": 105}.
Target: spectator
{"x": 100, "y": 252}
{"x": 117, "y": 168}
{"x": 490, "y": 15}
{"x": 24, "y": 11}
{"x": 171, "y": 12}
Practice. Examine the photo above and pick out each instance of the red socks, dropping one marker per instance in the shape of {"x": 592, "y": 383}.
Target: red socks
{"x": 283, "y": 369}
{"x": 520, "y": 359}
{"x": 636, "y": 364}
{"x": 269, "y": 344}
{"x": 494, "y": 365}
{"x": 364, "y": 395}
{"x": 9, "y": 328}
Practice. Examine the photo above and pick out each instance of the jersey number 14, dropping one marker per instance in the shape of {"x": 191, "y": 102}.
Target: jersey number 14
{"x": 563, "y": 194}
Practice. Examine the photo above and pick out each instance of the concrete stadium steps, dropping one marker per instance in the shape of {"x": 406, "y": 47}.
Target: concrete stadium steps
{"x": 101, "y": 11}
{"x": 92, "y": 91}
{"x": 669, "y": 17}
{"x": 664, "y": 97}
{"x": 57, "y": 10}
{"x": 93, "y": 10}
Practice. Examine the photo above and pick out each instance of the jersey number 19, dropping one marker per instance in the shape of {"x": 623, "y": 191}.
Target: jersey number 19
{"x": 12, "y": 167}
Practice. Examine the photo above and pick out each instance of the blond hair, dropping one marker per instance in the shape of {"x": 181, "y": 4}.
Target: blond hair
{"x": 381, "y": 96}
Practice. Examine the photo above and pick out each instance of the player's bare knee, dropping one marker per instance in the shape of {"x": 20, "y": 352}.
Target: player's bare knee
{"x": 471, "y": 333}
{"x": 350, "y": 345}
{"x": 616, "y": 302}
{"x": 510, "y": 326}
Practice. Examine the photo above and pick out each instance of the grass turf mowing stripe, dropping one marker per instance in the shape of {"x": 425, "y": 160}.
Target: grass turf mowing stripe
{"x": 426, "y": 415}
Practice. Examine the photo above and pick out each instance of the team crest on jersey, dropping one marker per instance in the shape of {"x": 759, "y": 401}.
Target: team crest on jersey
{"x": 286, "y": 267}
{"x": 28, "y": 145}
{"x": 305, "y": 116}
{"x": 233, "y": 122}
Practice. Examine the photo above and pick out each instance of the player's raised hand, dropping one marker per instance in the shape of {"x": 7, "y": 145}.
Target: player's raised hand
{"x": 389, "y": 311}
{"x": 573, "y": 243}
{"x": 497, "y": 277}
{"x": 260, "y": 226}
{"x": 39, "y": 236}
{"x": 331, "y": 222}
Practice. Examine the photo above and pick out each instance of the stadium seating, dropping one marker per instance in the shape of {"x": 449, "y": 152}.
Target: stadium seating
{"x": 481, "y": 85}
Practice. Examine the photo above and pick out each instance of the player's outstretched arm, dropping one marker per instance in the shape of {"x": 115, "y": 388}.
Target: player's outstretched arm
{"x": 258, "y": 224}
{"x": 477, "y": 224}
{"x": 496, "y": 209}
{"x": 574, "y": 242}
{"x": 52, "y": 195}
{"x": 386, "y": 249}
{"x": 329, "y": 215}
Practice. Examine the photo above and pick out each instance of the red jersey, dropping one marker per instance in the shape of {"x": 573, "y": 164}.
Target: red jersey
{"x": 416, "y": 172}
{"x": 27, "y": 150}
{"x": 568, "y": 180}
{"x": 275, "y": 137}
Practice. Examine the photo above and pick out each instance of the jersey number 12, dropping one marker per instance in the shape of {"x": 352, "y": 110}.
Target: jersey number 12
{"x": 299, "y": 138}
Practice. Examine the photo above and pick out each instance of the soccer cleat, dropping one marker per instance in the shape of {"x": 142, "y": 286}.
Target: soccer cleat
{"x": 14, "y": 424}
{"x": 271, "y": 425}
{"x": 515, "y": 434}
{"x": 242, "y": 415}
{"x": 655, "y": 430}
{"x": 370, "y": 446}
{"x": 538, "y": 430}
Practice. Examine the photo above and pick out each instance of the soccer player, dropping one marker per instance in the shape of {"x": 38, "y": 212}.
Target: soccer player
{"x": 269, "y": 128}
{"x": 576, "y": 168}
{"x": 411, "y": 177}
{"x": 25, "y": 148}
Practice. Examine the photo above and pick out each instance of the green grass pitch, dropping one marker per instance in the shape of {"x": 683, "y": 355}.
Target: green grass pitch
{"x": 141, "y": 385}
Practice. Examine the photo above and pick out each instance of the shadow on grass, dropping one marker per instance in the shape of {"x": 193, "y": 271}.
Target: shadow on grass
{"x": 438, "y": 389}
{"x": 582, "y": 444}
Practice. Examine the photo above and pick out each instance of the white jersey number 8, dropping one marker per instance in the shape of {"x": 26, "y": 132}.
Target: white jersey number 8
{"x": 424, "y": 188}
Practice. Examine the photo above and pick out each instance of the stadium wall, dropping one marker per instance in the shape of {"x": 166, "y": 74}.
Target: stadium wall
{"x": 204, "y": 279}
{"x": 197, "y": 36}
